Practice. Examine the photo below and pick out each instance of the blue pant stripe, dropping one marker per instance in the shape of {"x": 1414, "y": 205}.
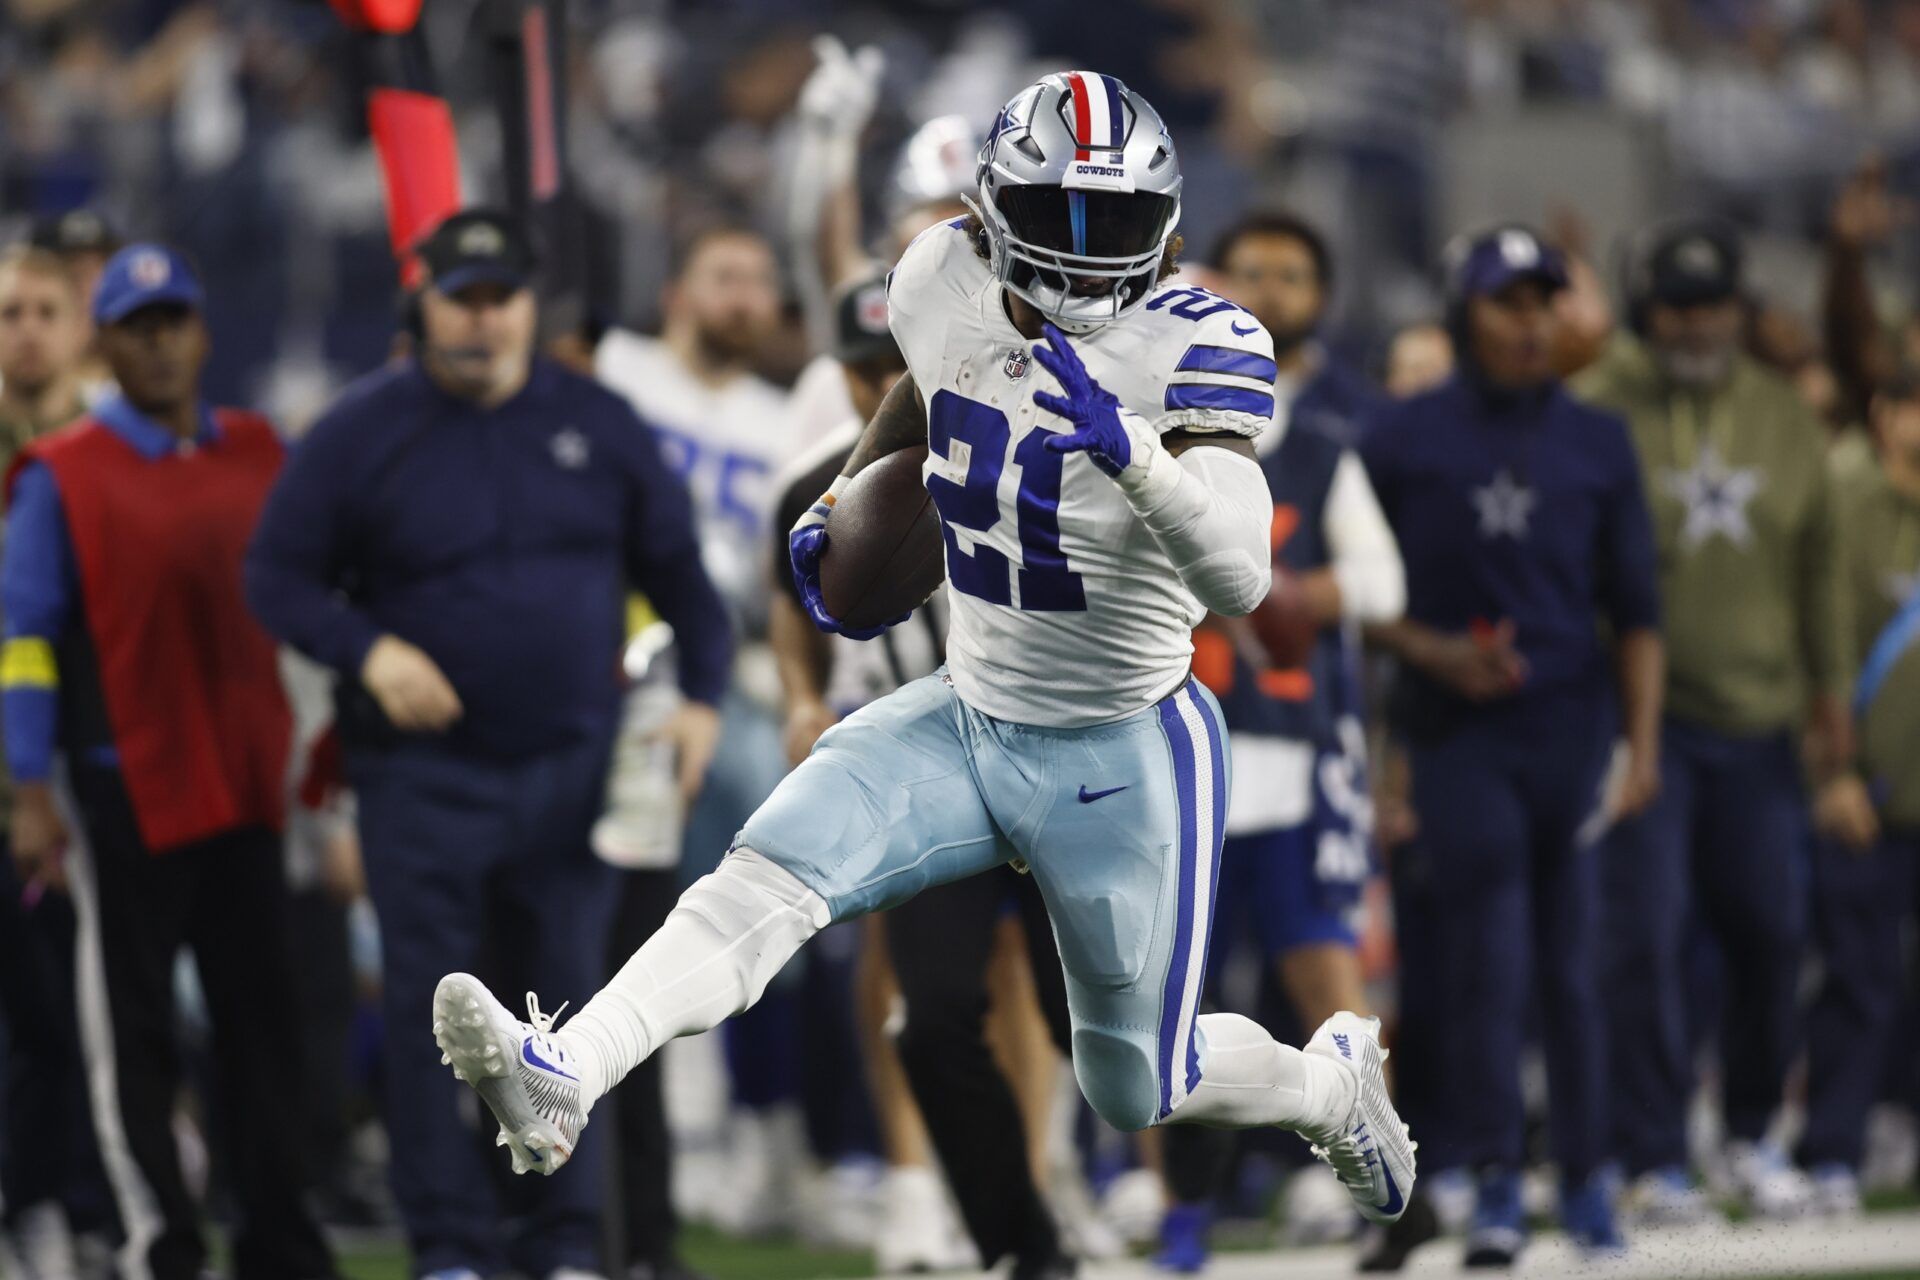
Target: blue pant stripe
{"x": 1218, "y": 756}
{"x": 1180, "y": 743}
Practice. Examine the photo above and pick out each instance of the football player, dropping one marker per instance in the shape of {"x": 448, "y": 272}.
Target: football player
{"x": 1089, "y": 436}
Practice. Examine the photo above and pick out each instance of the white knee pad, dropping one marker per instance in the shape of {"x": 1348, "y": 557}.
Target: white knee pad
{"x": 1116, "y": 1076}
{"x": 730, "y": 933}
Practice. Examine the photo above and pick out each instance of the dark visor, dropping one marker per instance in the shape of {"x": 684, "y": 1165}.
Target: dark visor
{"x": 1095, "y": 224}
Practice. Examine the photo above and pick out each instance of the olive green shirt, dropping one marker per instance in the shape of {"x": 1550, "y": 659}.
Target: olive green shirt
{"x": 1737, "y": 483}
{"x": 1880, "y": 540}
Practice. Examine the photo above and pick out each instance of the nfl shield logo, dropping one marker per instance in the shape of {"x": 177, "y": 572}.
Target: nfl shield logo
{"x": 1017, "y": 362}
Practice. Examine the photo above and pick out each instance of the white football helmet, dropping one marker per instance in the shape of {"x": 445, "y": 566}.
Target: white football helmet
{"x": 1079, "y": 192}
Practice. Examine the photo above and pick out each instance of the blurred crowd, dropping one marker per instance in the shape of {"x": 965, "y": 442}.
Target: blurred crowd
{"x": 746, "y": 185}
{"x": 239, "y": 127}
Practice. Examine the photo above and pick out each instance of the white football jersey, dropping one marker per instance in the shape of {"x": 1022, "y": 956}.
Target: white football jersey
{"x": 1065, "y": 611}
{"x": 727, "y": 442}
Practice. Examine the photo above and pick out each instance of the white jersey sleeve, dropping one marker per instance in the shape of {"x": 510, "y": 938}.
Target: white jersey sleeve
{"x": 1196, "y": 362}
{"x": 1366, "y": 558}
{"x": 927, "y": 290}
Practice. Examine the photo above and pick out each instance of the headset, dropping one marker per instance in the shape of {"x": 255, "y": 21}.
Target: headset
{"x": 412, "y": 321}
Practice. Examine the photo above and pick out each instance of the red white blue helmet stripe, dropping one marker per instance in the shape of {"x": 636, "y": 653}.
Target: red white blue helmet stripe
{"x": 1099, "y": 119}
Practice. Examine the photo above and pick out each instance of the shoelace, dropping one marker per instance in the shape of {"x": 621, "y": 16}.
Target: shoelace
{"x": 1351, "y": 1162}
{"x": 543, "y": 1022}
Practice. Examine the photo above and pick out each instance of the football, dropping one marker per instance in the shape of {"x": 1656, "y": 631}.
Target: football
{"x": 884, "y": 555}
{"x": 1284, "y": 623}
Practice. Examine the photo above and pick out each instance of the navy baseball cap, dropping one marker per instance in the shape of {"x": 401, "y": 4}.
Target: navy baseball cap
{"x": 1495, "y": 259}
{"x": 144, "y": 275}
{"x": 477, "y": 246}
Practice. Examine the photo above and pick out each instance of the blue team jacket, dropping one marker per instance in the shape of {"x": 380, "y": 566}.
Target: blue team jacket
{"x": 502, "y": 542}
{"x": 1526, "y": 508}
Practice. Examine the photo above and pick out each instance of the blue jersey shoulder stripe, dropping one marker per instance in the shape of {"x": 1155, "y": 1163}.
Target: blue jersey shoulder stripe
{"x": 1210, "y": 395}
{"x": 1231, "y": 360}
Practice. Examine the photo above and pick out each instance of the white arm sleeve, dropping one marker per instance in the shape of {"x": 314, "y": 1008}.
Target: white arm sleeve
{"x": 1366, "y": 559}
{"x": 1210, "y": 511}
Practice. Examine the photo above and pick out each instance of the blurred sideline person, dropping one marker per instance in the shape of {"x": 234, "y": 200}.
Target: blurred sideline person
{"x": 1866, "y": 870}
{"x": 639, "y": 832}
{"x": 44, "y": 331}
{"x": 456, "y": 537}
{"x": 1299, "y": 819}
{"x": 83, "y": 240}
{"x": 1736, "y": 477}
{"x": 1277, "y": 265}
{"x": 825, "y": 678}
{"x": 1521, "y": 520}
{"x": 1336, "y": 572}
{"x": 130, "y": 651}
{"x": 50, "y": 1177}
{"x": 725, "y": 430}
{"x": 826, "y": 243}
{"x": 1419, "y": 358}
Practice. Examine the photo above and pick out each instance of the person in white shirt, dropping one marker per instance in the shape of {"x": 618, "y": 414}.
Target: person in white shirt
{"x": 726, "y": 430}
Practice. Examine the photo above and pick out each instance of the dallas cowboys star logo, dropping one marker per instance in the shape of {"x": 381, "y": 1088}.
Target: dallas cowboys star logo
{"x": 1716, "y": 497}
{"x": 1505, "y": 507}
{"x": 570, "y": 448}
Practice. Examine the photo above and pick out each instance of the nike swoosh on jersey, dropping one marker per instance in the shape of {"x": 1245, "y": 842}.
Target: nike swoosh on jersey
{"x": 1235, "y": 326}
{"x": 535, "y": 1060}
{"x": 1088, "y": 797}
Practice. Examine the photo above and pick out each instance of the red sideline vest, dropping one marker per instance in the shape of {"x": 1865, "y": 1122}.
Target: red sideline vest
{"x": 191, "y": 681}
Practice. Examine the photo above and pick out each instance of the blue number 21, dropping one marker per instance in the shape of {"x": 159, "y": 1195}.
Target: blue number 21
{"x": 1045, "y": 581}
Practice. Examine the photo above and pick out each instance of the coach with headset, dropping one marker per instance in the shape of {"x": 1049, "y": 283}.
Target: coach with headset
{"x": 1736, "y": 475}
{"x": 456, "y": 538}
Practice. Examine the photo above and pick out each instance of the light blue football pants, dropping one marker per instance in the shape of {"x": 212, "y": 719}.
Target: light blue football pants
{"x": 1119, "y": 824}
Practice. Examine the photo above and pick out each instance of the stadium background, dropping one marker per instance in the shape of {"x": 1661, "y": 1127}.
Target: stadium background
{"x": 236, "y": 130}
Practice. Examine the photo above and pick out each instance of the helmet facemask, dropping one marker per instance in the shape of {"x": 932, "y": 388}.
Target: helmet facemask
{"x": 1049, "y": 244}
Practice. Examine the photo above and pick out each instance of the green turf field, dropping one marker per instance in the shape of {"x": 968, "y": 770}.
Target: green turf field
{"x": 719, "y": 1256}
{"x": 724, "y": 1258}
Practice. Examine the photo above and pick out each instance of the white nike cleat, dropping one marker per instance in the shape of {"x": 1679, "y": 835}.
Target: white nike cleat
{"x": 1370, "y": 1150}
{"x": 527, "y": 1080}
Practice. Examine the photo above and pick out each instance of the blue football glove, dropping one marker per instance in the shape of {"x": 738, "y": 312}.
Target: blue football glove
{"x": 805, "y": 545}
{"x": 1091, "y": 408}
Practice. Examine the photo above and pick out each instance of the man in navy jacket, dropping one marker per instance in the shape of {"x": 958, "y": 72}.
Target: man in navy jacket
{"x": 457, "y": 538}
{"x": 1523, "y": 525}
